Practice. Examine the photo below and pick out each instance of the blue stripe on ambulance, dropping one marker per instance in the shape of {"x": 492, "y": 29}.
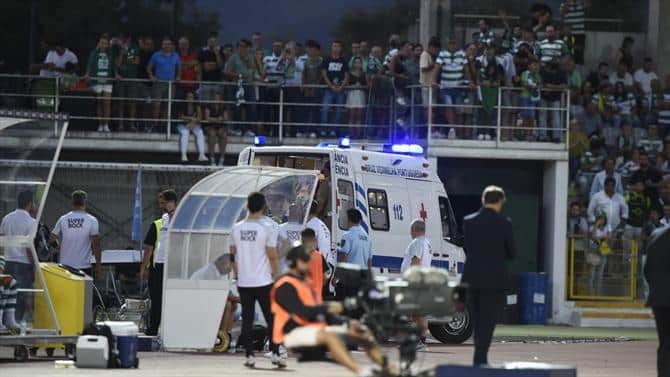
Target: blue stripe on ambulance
{"x": 383, "y": 261}
{"x": 360, "y": 190}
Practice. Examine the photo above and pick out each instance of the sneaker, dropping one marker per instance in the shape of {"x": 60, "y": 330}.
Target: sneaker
{"x": 202, "y": 158}
{"x": 278, "y": 360}
{"x": 332, "y": 134}
{"x": 184, "y": 158}
{"x": 400, "y": 122}
{"x": 250, "y": 362}
{"x": 480, "y": 137}
{"x": 212, "y": 161}
{"x": 401, "y": 101}
{"x": 101, "y": 128}
{"x": 487, "y": 137}
{"x": 220, "y": 161}
{"x": 421, "y": 347}
{"x": 368, "y": 371}
{"x": 299, "y": 135}
{"x": 312, "y": 135}
{"x": 282, "y": 352}
{"x": 249, "y": 134}
{"x": 105, "y": 128}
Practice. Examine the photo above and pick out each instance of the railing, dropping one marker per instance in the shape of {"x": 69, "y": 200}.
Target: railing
{"x": 382, "y": 112}
{"x": 602, "y": 273}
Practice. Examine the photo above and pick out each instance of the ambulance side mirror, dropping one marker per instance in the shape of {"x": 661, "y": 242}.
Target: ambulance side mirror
{"x": 457, "y": 240}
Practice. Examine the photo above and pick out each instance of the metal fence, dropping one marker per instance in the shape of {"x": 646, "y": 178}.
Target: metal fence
{"x": 383, "y": 111}
{"x": 597, "y": 272}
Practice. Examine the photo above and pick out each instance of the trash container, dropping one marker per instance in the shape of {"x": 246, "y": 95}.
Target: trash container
{"x": 533, "y": 298}
{"x": 510, "y": 313}
{"x": 126, "y": 334}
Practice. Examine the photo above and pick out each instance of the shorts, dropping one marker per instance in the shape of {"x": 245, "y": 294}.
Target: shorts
{"x": 129, "y": 90}
{"x": 528, "y": 108}
{"x": 452, "y": 96}
{"x": 425, "y": 93}
{"x": 306, "y": 336}
{"x": 102, "y": 88}
{"x": 159, "y": 90}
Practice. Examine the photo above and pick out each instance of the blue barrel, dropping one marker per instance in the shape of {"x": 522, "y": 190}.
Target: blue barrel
{"x": 533, "y": 298}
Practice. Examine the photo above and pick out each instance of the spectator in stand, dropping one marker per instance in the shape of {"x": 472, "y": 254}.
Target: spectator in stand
{"x": 356, "y": 98}
{"x": 577, "y": 223}
{"x": 662, "y": 106}
{"x": 379, "y": 89}
{"x": 293, "y": 68}
{"x": 601, "y": 237}
{"x": 397, "y": 71}
{"x": 274, "y": 76}
{"x": 554, "y": 81}
{"x": 644, "y": 116}
{"x": 394, "y": 45}
{"x": 490, "y": 77}
{"x": 599, "y": 77}
{"x": 621, "y": 75}
{"x": 240, "y": 68}
{"x": 191, "y": 117}
{"x": 609, "y": 202}
{"x": 189, "y": 69}
{"x": 592, "y": 122}
{"x": 471, "y": 80}
{"x": 573, "y": 75}
{"x": 625, "y": 105}
{"x": 630, "y": 164}
{"x": 311, "y": 76}
{"x": 355, "y": 53}
{"x": 100, "y": 70}
{"x": 426, "y": 66}
{"x": 638, "y": 209}
{"x": 484, "y": 36}
{"x": 146, "y": 52}
{"x": 624, "y": 54}
{"x": 212, "y": 63}
{"x": 531, "y": 80}
{"x": 259, "y": 79}
{"x": 257, "y": 43}
{"x": 573, "y": 13}
{"x": 128, "y": 62}
{"x": 569, "y": 39}
{"x": 163, "y": 66}
{"x": 449, "y": 76}
{"x": 598, "y": 183}
{"x": 59, "y": 61}
{"x": 551, "y": 48}
{"x": 651, "y": 177}
{"x": 643, "y": 78}
{"x": 627, "y": 140}
{"x": 579, "y": 144}
{"x": 336, "y": 76}
{"x": 365, "y": 54}
{"x": 216, "y": 116}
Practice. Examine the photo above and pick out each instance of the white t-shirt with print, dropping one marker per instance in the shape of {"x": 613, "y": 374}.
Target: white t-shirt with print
{"x": 75, "y": 230}
{"x": 289, "y": 235}
{"x": 59, "y": 61}
{"x": 420, "y": 248}
{"x": 251, "y": 237}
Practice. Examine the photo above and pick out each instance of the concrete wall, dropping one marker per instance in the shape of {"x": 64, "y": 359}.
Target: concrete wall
{"x": 554, "y": 212}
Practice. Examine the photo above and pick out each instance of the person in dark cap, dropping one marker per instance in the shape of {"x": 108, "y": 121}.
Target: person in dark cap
{"x": 657, "y": 273}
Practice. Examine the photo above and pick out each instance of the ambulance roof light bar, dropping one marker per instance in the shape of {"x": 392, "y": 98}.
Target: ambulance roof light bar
{"x": 409, "y": 149}
{"x": 259, "y": 141}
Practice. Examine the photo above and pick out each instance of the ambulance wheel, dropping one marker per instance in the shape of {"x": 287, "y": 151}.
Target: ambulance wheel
{"x": 222, "y": 342}
{"x": 70, "y": 351}
{"x": 21, "y": 353}
{"x": 455, "y": 331}
{"x": 50, "y": 351}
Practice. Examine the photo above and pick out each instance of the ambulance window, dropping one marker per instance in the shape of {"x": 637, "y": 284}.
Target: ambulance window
{"x": 345, "y": 198}
{"x": 446, "y": 217}
{"x": 379, "y": 210}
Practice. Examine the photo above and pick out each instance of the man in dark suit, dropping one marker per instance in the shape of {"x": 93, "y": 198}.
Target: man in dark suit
{"x": 657, "y": 273}
{"x": 489, "y": 243}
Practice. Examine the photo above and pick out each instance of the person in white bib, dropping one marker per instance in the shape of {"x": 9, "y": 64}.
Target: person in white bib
{"x": 79, "y": 234}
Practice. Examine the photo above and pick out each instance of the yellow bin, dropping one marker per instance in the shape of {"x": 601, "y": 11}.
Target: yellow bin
{"x": 71, "y": 295}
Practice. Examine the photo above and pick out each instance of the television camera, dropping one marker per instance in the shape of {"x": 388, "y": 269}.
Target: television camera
{"x": 387, "y": 306}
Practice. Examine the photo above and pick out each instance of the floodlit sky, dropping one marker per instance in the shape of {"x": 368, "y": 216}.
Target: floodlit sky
{"x": 295, "y": 19}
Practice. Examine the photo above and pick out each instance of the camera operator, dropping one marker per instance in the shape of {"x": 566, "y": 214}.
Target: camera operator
{"x": 301, "y": 320}
{"x": 489, "y": 243}
{"x": 355, "y": 248}
{"x": 418, "y": 253}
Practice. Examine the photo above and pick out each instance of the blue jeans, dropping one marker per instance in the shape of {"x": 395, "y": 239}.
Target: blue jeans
{"x": 556, "y": 120}
{"x": 24, "y": 275}
{"x": 329, "y": 96}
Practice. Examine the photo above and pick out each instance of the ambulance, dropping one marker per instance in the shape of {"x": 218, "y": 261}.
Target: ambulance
{"x": 391, "y": 185}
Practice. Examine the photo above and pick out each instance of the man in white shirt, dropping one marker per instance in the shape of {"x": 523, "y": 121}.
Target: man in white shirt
{"x": 612, "y": 204}
{"x": 418, "y": 253}
{"x": 58, "y": 61}
{"x": 643, "y": 78}
{"x": 289, "y": 235}
{"x": 323, "y": 240}
{"x": 79, "y": 236}
{"x": 598, "y": 183}
{"x": 20, "y": 259}
{"x": 256, "y": 265}
{"x": 621, "y": 75}
{"x": 426, "y": 66}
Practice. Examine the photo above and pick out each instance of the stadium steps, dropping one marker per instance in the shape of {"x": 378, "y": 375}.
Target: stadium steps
{"x": 612, "y": 314}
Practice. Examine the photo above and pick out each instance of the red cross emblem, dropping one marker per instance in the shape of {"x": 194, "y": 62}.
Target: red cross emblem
{"x": 423, "y": 214}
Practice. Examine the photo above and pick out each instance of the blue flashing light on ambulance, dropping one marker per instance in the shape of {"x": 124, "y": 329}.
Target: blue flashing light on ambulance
{"x": 391, "y": 186}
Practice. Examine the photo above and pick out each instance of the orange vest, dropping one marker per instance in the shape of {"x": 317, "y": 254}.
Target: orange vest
{"x": 281, "y": 317}
{"x": 316, "y": 273}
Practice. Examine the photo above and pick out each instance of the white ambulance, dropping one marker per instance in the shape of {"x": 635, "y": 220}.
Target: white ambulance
{"x": 391, "y": 185}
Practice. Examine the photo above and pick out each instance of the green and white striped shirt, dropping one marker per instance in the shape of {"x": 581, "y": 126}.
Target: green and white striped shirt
{"x": 550, "y": 50}
{"x": 663, "y": 114}
{"x": 575, "y": 17}
{"x": 451, "y": 64}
